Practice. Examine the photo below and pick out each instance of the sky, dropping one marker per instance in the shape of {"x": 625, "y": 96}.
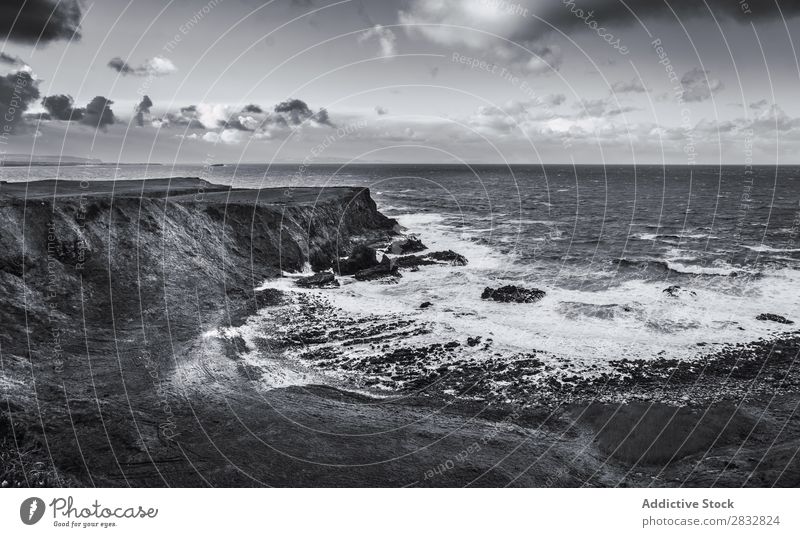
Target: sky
{"x": 428, "y": 81}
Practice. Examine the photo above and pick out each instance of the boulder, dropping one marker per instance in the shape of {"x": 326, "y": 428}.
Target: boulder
{"x": 318, "y": 281}
{"x": 384, "y": 269}
{"x": 361, "y": 257}
{"x": 449, "y": 256}
{"x": 425, "y": 305}
{"x": 406, "y": 245}
{"x": 512, "y": 293}
{"x": 774, "y": 318}
{"x": 676, "y": 291}
{"x": 413, "y": 261}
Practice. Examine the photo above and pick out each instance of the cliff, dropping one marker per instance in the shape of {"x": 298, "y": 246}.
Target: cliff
{"x": 126, "y": 247}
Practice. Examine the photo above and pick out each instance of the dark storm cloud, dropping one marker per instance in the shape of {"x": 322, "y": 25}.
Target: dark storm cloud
{"x": 252, "y": 109}
{"x": 17, "y": 91}
{"x": 98, "y": 113}
{"x": 61, "y": 107}
{"x": 142, "y": 110}
{"x": 32, "y": 21}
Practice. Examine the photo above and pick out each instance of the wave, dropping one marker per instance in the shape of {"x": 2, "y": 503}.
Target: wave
{"x": 768, "y": 249}
{"x": 684, "y": 266}
{"x": 671, "y": 236}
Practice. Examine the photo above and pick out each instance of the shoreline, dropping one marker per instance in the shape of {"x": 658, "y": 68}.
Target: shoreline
{"x": 195, "y": 416}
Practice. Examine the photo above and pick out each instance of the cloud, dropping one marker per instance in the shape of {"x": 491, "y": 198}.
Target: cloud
{"x": 142, "y": 110}
{"x": 386, "y": 38}
{"x": 602, "y": 108}
{"x": 554, "y": 99}
{"x": 633, "y": 86}
{"x": 226, "y": 136}
{"x": 9, "y": 59}
{"x": 502, "y": 27}
{"x": 698, "y": 87}
{"x": 296, "y": 112}
{"x": 252, "y": 109}
{"x": 61, "y": 107}
{"x": 39, "y": 21}
{"x": 17, "y": 91}
{"x": 157, "y": 66}
{"x": 98, "y": 113}
{"x": 187, "y": 118}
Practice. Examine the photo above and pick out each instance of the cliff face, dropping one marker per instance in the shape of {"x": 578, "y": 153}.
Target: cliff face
{"x": 61, "y": 245}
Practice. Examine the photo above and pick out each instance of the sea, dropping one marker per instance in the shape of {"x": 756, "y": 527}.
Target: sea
{"x": 603, "y": 242}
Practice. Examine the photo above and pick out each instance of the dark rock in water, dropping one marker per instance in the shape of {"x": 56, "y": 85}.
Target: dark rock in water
{"x": 319, "y": 281}
{"x": 433, "y": 258}
{"x": 362, "y": 257}
{"x": 676, "y": 291}
{"x": 473, "y": 341}
{"x": 425, "y": 305}
{"x": 774, "y": 318}
{"x": 413, "y": 261}
{"x": 408, "y": 245}
{"x": 512, "y": 293}
{"x": 384, "y": 269}
{"x": 449, "y": 256}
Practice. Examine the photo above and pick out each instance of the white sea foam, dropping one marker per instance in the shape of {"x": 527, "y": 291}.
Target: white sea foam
{"x": 765, "y": 248}
{"x": 634, "y": 319}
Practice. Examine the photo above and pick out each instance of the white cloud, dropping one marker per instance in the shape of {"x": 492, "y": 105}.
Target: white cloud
{"x": 160, "y": 66}
{"x": 386, "y": 38}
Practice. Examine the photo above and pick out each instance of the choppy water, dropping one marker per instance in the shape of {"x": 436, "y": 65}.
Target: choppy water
{"x": 602, "y": 242}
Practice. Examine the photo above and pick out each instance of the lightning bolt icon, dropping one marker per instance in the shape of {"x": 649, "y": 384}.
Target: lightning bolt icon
{"x": 34, "y": 504}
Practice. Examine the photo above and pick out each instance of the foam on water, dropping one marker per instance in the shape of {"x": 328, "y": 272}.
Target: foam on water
{"x": 632, "y": 319}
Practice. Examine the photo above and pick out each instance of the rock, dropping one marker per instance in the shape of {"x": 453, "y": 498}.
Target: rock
{"x": 774, "y": 318}
{"x": 425, "y": 305}
{"x": 676, "y": 291}
{"x": 322, "y": 280}
{"x": 473, "y": 341}
{"x": 362, "y": 257}
{"x": 512, "y": 293}
{"x": 384, "y": 269}
{"x": 413, "y": 261}
{"x": 449, "y": 256}
{"x": 407, "y": 245}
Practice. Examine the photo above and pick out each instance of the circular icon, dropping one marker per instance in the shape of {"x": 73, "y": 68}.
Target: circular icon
{"x": 31, "y": 511}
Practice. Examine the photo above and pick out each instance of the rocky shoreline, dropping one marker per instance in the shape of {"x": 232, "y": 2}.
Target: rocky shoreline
{"x": 129, "y": 324}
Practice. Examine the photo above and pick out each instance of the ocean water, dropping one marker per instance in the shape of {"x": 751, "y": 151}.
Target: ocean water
{"x": 602, "y": 242}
